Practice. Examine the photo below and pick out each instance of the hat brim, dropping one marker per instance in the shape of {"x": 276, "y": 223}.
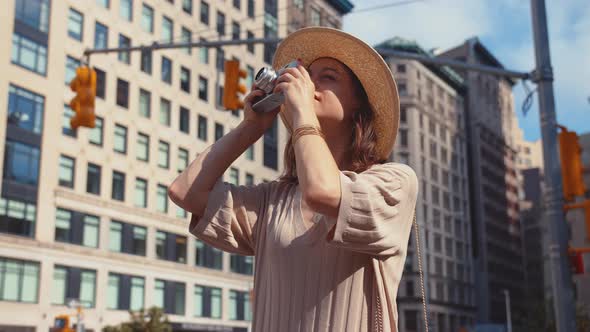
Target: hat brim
{"x": 310, "y": 44}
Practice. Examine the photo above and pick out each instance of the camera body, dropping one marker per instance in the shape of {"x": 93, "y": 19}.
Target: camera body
{"x": 266, "y": 81}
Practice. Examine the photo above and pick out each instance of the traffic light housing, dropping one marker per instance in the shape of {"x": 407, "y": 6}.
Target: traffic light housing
{"x": 84, "y": 85}
{"x": 62, "y": 324}
{"x": 232, "y": 87}
{"x": 571, "y": 165}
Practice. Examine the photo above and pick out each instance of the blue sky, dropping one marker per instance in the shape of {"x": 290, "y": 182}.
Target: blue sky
{"x": 505, "y": 28}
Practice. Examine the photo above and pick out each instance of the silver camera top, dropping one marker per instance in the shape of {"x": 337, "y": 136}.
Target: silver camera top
{"x": 266, "y": 77}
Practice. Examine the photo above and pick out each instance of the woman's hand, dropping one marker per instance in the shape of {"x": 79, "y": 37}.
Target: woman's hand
{"x": 298, "y": 89}
{"x": 263, "y": 120}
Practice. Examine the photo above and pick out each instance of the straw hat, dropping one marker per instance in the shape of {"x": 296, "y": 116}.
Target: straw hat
{"x": 309, "y": 44}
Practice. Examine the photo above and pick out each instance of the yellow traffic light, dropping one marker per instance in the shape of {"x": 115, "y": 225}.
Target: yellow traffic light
{"x": 232, "y": 87}
{"x": 84, "y": 85}
{"x": 571, "y": 165}
{"x": 62, "y": 324}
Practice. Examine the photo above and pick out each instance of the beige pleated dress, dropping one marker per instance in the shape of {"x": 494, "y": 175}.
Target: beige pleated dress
{"x": 304, "y": 280}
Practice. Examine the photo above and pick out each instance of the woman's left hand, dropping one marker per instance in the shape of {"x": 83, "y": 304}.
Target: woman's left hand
{"x": 298, "y": 89}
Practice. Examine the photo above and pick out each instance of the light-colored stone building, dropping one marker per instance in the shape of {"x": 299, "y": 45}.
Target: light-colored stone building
{"x": 432, "y": 140}
{"x": 85, "y": 214}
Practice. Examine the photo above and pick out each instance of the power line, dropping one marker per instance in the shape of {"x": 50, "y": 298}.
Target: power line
{"x": 393, "y": 4}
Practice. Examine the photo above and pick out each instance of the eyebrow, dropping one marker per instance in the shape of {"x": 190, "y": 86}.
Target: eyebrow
{"x": 325, "y": 69}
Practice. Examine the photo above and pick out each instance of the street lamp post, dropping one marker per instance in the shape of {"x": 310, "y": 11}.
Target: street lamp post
{"x": 508, "y": 316}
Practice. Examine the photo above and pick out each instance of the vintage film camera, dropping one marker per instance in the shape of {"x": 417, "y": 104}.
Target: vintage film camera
{"x": 266, "y": 81}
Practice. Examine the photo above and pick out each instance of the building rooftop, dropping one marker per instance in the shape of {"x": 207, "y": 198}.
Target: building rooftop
{"x": 343, "y": 6}
{"x": 444, "y": 72}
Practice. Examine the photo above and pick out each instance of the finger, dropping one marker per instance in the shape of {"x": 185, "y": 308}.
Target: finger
{"x": 252, "y": 95}
{"x": 304, "y": 72}
{"x": 287, "y": 77}
{"x": 280, "y": 87}
{"x": 293, "y": 71}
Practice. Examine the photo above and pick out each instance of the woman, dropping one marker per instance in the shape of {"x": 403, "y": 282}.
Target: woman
{"x": 330, "y": 237}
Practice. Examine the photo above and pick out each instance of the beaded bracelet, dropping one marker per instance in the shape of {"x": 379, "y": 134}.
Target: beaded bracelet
{"x": 306, "y": 130}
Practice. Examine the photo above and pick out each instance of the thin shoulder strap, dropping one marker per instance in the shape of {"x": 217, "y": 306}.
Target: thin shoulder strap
{"x": 421, "y": 273}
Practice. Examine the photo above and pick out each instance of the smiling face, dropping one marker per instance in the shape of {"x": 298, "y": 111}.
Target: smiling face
{"x": 337, "y": 94}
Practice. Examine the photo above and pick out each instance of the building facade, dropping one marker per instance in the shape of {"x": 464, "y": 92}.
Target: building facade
{"x": 432, "y": 141}
{"x": 497, "y": 244}
{"x": 85, "y": 214}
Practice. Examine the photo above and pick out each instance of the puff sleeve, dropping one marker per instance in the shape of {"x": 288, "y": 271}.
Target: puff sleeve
{"x": 231, "y": 217}
{"x": 376, "y": 210}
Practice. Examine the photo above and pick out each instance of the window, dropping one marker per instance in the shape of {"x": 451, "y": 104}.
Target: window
{"x": 101, "y": 81}
{"x": 126, "y": 9}
{"x": 237, "y": 3}
{"x": 118, "y": 186}
{"x": 34, "y": 14}
{"x": 125, "y": 292}
{"x": 235, "y": 30}
{"x": 401, "y": 68}
{"x": 101, "y": 35}
{"x": 251, "y": 8}
{"x": 20, "y": 280}
{"x": 167, "y": 29}
{"x": 403, "y": 137}
{"x": 145, "y": 103}
{"x": 202, "y": 128}
{"x": 170, "y": 296}
{"x": 166, "y": 70}
{"x": 170, "y": 247}
{"x": 163, "y": 154}
{"x": 203, "y": 88}
{"x": 25, "y": 109}
{"x": 66, "y": 128}
{"x": 29, "y": 54}
{"x": 249, "y": 179}
{"x": 66, "y": 171}
{"x": 140, "y": 192}
{"x": 162, "y": 199}
{"x": 239, "y": 305}
{"x": 187, "y": 6}
{"x": 298, "y": 4}
{"x": 147, "y": 18}
{"x": 143, "y": 147}
{"x": 250, "y": 152}
{"x": 185, "y": 79}
{"x": 165, "y": 109}
{"x": 184, "y": 120}
{"x": 182, "y": 159}
{"x": 220, "y": 60}
{"x": 95, "y": 135}
{"x": 75, "y": 24}
{"x": 146, "y": 62}
{"x": 207, "y": 302}
{"x": 186, "y": 38}
{"x": 124, "y": 41}
{"x": 315, "y": 16}
{"x": 71, "y": 65}
{"x": 207, "y": 256}
{"x": 242, "y": 264}
{"x": 120, "y": 143}
{"x": 122, "y": 93}
{"x": 402, "y": 88}
{"x": 270, "y": 149}
{"x": 403, "y": 117}
{"x": 218, "y": 131}
{"x": 220, "y": 97}
{"x": 93, "y": 179}
{"x": 104, "y": 3}
{"x": 17, "y": 217}
{"x": 127, "y": 238}
{"x": 250, "y": 47}
{"x": 411, "y": 320}
{"x": 204, "y": 53}
{"x": 204, "y": 13}
{"x": 21, "y": 163}
{"x": 76, "y": 228}
{"x": 73, "y": 283}
{"x": 234, "y": 176}
{"x": 220, "y": 24}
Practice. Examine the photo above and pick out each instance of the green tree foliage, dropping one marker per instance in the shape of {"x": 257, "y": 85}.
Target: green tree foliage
{"x": 152, "y": 320}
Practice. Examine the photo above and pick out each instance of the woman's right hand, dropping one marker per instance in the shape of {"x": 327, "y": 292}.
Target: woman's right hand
{"x": 262, "y": 120}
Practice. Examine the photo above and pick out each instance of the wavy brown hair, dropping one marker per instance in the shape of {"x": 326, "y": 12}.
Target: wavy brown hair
{"x": 363, "y": 138}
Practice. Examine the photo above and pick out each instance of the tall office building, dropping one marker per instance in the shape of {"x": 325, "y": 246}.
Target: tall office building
{"x": 85, "y": 214}
{"x": 432, "y": 141}
{"x": 497, "y": 245}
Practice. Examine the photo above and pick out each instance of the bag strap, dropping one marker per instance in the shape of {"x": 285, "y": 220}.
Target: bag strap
{"x": 421, "y": 274}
